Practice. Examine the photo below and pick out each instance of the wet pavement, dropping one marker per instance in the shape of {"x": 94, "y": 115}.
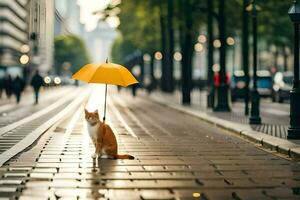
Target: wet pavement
{"x": 275, "y": 116}
{"x": 177, "y": 157}
{"x": 25, "y": 127}
{"x": 12, "y": 112}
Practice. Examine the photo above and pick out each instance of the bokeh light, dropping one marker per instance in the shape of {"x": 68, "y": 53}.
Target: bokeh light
{"x": 216, "y": 67}
{"x": 25, "y": 48}
{"x": 158, "y": 55}
{"x": 146, "y": 57}
{"x": 24, "y": 59}
{"x": 47, "y": 80}
{"x": 198, "y": 47}
{"x": 177, "y": 56}
{"x": 217, "y": 43}
{"x": 202, "y": 39}
{"x": 230, "y": 41}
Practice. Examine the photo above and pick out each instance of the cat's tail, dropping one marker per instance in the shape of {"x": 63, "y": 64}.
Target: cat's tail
{"x": 123, "y": 156}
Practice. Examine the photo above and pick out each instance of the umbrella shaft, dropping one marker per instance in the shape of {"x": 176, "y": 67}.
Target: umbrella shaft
{"x": 105, "y": 102}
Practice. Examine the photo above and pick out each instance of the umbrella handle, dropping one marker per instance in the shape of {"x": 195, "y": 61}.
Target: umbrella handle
{"x": 105, "y": 103}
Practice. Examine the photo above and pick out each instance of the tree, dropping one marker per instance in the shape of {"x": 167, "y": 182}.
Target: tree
{"x": 166, "y": 17}
{"x": 275, "y": 27}
{"x": 154, "y": 25}
{"x": 69, "y": 49}
{"x": 245, "y": 52}
{"x": 188, "y": 13}
{"x": 138, "y": 27}
{"x": 187, "y": 40}
{"x": 222, "y": 97}
{"x": 139, "y": 32}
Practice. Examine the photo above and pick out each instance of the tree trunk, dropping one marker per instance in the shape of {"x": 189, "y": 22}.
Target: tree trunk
{"x": 142, "y": 75}
{"x": 163, "y": 50}
{"x": 246, "y": 53}
{"x": 187, "y": 53}
{"x": 210, "y": 53}
{"x": 285, "y": 59}
{"x": 276, "y": 54}
{"x": 222, "y": 32}
{"x": 153, "y": 81}
{"x": 222, "y": 103}
{"x": 170, "y": 65}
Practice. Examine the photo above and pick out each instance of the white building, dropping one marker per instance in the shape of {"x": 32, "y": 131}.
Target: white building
{"x": 41, "y": 33}
{"x": 99, "y": 42}
{"x": 30, "y": 23}
{"x": 13, "y": 33}
{"x": 67, "y": 15}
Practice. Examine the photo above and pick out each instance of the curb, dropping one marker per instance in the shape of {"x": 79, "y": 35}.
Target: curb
{"x": 290, "y": 148}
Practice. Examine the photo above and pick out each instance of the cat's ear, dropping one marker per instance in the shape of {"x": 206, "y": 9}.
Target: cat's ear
{"x": 96, "y": 111}
{"x": 85, "y": 110}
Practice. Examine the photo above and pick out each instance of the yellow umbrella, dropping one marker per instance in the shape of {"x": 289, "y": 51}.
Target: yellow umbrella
{"x": 107, "y": 73}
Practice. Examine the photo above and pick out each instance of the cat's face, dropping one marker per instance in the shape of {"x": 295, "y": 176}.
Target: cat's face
{"x": 91, "y": 117}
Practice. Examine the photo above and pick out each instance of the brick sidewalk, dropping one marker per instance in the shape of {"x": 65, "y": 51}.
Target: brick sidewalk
{"x": 272, "y": 124}
{"x": 177, "y": 157}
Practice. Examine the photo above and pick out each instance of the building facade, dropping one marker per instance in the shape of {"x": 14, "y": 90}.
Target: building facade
{"x": 41, "y": 33}
{"x": 67, "y": 15}
{"x": 99, "y": 42}
{"x": 26, "y": 29}
{"x": 13, "y": 33}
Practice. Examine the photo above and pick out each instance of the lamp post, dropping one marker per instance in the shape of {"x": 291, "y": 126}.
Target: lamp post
{"x": 294, "y": 129}
{"x": 223, "y": 89}
{"x": 254, "y": 115}
{"x": 245, "y": 52}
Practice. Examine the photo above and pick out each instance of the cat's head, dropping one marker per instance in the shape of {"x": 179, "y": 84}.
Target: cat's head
{"x": 91, "y": 117}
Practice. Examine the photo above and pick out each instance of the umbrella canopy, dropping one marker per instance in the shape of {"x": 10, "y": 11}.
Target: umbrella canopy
{"x": 107, "y": 73}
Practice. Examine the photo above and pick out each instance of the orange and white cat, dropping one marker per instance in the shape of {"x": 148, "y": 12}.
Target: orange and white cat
{"x": 103, "y": 138}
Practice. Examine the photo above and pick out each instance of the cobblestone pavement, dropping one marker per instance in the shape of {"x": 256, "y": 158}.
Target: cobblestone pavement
{"x": 177, "y": 157}
{"x": 275, "y": 116}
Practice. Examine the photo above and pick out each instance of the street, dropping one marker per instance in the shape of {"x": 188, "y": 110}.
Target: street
{"x": 177, "y": 156}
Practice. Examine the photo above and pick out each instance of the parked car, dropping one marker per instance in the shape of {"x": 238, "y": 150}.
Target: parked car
{"x": 65, "y": 80}
{"x": 283, "y": 84}
{"x": 53, "y": 80}
{"x": 238, "y": 83}
{"x": 264, "y": 83}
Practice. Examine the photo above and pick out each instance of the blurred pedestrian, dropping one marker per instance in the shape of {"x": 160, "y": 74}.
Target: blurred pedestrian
{"x": 18, "y": 87}
{"x": 37, "y": 83}
{"x": 1, "y": 86}
{"x": 217, "y": 79}
{"x": 8, "y": 85}
{"x": 133, "y": 89}
{"x": 217, "y": 84}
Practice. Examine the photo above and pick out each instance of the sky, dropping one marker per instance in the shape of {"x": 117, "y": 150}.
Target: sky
{"x": 87, "y": 9}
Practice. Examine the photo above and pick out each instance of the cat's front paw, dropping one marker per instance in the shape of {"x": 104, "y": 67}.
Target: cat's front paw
{"x": 94, "y": 156}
